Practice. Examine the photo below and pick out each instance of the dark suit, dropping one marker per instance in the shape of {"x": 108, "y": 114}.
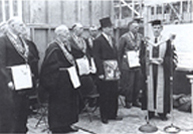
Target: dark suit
{"x": 130, "y": 77}
{"x": 108, "y": 90}
{"x": 13, "y": 104}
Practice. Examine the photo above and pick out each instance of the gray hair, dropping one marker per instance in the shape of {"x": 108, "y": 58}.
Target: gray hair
{"x": 60, "y": 29}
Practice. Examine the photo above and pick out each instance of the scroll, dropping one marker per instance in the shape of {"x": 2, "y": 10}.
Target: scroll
{"x": 22, "y": 78}
{"x": 111, "y": 70}
{"x": 83, "y": 66}
{"x": 133, "y": 58}
{"x": 74, "y": 77}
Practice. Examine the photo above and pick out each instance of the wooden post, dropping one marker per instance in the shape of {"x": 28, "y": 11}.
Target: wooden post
{"x": 19, "y": 8}
{"x": 10, "y": 8}
{"x": 3, "y": 10}
{"x": 191, "y": 82}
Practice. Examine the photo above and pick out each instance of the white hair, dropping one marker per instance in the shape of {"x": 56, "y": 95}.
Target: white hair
{"x": 61, "y": 29}
{"x": 14, "y": 19}
{"x": 77, "y": 25}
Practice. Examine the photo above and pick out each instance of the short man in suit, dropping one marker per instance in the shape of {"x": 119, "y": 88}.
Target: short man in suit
{"x": 105, "y": 50}
{"x": 130, "y": 74}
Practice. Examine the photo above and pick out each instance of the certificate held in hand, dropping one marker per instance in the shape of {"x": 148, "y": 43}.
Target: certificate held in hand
{"x": 22, "y": 78}
{"x": 133, "y": 58}
{"x": 111, "y": 70}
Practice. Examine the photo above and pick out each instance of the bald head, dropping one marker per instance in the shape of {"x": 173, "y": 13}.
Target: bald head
{"x": 16, "y": 25}
{"x": 62, "y": 32}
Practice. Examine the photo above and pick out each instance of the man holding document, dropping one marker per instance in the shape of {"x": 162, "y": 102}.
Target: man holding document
{"x": 129, "y": 46}
{"x": 15, "y": 78}
{"x": 59, "y": 77}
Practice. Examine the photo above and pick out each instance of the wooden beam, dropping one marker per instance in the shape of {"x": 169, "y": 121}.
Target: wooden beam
{"x": 131, "y": 8}
{"x": 3, "y": 10}
{"x": 10, "y": 8}
{"x": 179, "y": 17}
{"x": 19, "y": 8}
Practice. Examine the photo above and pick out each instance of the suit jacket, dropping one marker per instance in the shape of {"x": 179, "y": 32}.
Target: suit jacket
{"x": 125, "y": 44}
{"x": 103, "y": 51}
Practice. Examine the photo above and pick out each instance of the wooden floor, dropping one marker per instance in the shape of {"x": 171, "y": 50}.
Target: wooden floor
{"x": 132, "y": 119}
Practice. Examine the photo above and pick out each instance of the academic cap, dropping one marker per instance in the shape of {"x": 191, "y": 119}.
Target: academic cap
{"x": 156, "y": 22}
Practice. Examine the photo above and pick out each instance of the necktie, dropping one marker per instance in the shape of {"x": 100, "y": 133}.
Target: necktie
{"x": 110, "y": 41}
{"x": 155, "y": 40}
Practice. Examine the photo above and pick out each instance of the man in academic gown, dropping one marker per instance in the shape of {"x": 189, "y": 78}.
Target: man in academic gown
{"x": 105, "y": 50}
{"x": 55, "y": 79}
{"x": 158, "y": 70}
{"x": 13, "y": 104}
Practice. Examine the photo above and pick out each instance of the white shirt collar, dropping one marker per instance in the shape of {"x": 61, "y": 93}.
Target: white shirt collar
{"x": 132, "y": 35}
{"x": 105, "y": 35}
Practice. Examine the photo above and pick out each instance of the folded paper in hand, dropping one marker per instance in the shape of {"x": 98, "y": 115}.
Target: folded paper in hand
{"x": 133, "y": 58}
{"x": 83, "y": 66}
{"x": 22, "y": 77}
{"x": 74, "y": 77}
{"x": 111, "y": 70}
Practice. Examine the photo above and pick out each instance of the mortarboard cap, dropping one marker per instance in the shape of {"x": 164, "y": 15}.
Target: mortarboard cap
{"x": 156, "y": 22}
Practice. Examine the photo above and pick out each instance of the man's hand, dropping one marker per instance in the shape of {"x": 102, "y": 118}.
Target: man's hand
{"x": 101, "y": 76}
{"x": 157, "y": 61}
{"x": 11, "y": 85}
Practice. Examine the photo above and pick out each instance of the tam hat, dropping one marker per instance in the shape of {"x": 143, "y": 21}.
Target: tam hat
{"x": 105, "y": 22}
{"x": 156, "y": 22}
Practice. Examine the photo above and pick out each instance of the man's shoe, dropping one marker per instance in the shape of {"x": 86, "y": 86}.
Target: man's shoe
{"x": 105, "y": 121}
{"x": 137, "y": 104}
{"x": 116, "y": 118}
{"x": 163, "y": 118}
{"x": 128, "y": 105}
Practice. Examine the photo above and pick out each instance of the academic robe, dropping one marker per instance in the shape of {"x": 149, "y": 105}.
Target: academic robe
{"x": 108, "y": 90}
{"x": 156, "y": 96}
{"x": 63, "y": 99}
{"x": 13, "y": 104}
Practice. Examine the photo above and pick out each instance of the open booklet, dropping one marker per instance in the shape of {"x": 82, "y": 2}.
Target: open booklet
{"x": 133, "y": 58}
{"x": 22, "y": 78}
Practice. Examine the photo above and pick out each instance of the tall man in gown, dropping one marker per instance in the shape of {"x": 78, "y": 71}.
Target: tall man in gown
{"x": 159, "y": 67}
{"x": 14, "y": 104}
{"x": 55, "y": 79}
{"x": 104, "y": 51}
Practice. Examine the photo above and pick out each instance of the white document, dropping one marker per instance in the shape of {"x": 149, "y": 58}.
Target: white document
{"x": 133, "y": 58}
{"x": 22, "y": 77}
{"x": 83, "y": 66}
{"x": 93, "y": 66}
{"x": 74, "y": 77}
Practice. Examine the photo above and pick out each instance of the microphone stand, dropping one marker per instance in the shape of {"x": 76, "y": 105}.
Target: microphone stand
{"x": 147, "y": 128}
{"x": 171, "y": 129}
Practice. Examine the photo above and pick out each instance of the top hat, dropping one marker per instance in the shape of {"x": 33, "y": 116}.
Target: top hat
{"x": 105, "y": 22}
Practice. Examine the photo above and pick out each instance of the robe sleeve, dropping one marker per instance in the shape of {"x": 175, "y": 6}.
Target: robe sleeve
{"x": 50, "y": 70}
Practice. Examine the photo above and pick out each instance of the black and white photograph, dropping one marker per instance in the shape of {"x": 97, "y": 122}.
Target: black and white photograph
{"x": 96, "y": 66}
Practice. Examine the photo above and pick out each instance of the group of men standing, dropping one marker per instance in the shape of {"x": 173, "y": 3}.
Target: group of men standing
{"x": 74, "y": 68}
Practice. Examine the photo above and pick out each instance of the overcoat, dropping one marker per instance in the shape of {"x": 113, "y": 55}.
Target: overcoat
{"x": 62, "y": 101}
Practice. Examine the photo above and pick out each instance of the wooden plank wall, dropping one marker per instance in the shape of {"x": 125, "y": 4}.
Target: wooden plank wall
{"x": 44, "y": 15}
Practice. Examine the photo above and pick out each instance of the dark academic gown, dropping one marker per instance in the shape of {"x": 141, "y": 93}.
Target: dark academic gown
{"x": 87, "y": 84}
{"x": 13, "y": 104}
{"x": 108, "y": 90}
{"x": 167, "y": 68}
{"x": 63, "y": 103}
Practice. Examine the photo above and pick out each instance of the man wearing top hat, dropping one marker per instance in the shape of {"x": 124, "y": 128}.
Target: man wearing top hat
{"x": 158, "y": 60}
{"x": 105, "y": 52}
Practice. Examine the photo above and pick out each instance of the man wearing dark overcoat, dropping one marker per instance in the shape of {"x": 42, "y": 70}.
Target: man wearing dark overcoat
{"x": 55, "y": 79}
{"x": 105, "y": 50}
{"x": 13, "y": 103}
